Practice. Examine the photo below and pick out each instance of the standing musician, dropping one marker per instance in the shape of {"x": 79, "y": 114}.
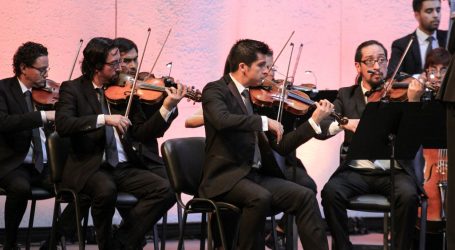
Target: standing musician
{"x": 447, "y": 95}
{"x": 239, "y": 166}
{"x": 364, "y": 176}
{"x": 428, "y": 37}
{"x": 23, "y": 158}
{"x": 102, "y": 161}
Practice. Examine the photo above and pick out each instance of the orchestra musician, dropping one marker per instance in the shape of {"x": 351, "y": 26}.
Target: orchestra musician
{"x": 446, "y": 94}
{"x": 367, "y": 176}
{"x": 102, "y": 160}
{"x": 23, "y": 158}
{"x": 428, "y": 37}
{"x": 239, "y": 166}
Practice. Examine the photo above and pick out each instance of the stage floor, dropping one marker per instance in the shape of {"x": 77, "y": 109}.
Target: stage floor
{"x": 368, "y": 241}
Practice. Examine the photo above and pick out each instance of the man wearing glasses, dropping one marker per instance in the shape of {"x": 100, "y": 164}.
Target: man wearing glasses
{"x": 102, "y": 161}
{"x": 22, "y": 151}
{"x": 366, "y": 176}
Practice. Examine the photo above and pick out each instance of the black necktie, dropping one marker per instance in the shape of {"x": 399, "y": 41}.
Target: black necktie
{"x": 430, "y": 45}
{"x": 37, "y": 147}
{"x": 111, "y": 146}
{"x": 249, "y": 108}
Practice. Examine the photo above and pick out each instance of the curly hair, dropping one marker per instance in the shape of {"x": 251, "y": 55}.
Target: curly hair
{"x": 26, "y": 54}
{"x": 95, "y": 55}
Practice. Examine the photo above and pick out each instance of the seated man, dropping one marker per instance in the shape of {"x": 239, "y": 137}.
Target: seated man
{"x": 23, "y": 158}
{"x": 239, "y": 165}
{"x": 102, "y": 160}
{"x": 364, "y": 176}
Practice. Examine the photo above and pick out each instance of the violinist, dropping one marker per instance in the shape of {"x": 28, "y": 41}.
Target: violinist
{"x": 428, "y": 15}
{"x": 426, "y": 86}
{"x": 366, "y": 176}
{"x": 23, "y": 158}
{"x": 102, "y": 160}
{"x": 239, "y": 167}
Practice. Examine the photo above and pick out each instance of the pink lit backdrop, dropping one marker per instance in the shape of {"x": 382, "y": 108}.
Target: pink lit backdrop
{"x": 202, "y": 34}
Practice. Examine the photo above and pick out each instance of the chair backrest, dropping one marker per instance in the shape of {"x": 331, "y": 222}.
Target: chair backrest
{"x": 184, "y": 159}
{"x": 57, "y": 152}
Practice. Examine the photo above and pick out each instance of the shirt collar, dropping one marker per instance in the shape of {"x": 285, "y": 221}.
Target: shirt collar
{"x": 422, "y": 36}
{"x": 23, "y": 87}
{"x": 239, "y": 86}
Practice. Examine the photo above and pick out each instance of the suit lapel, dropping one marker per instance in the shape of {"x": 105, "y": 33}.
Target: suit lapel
{"x": 90, "y": 96}
{"x": 359, "y": 100}
{"x": 18, "y": 95}
{"x": 235, "y": 93}
{"x": 415, "y": 52}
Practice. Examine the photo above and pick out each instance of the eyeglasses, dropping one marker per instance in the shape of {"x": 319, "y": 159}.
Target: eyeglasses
{"x": 42, "y": 71}
{"x": 441, "y": 72}
{"x": 114, "y": 64}
{"x": 370, "y": 61}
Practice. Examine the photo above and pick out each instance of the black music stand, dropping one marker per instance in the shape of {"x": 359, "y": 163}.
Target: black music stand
{"x": 396, "y": 131}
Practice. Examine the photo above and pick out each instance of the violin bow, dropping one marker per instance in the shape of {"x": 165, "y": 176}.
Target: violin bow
{"x": 75, "y": 59}
{"x": 398, "y": 66}
{"x": 297, "y": 60}
{"x": 283, "y": 89}
{"x": 159, "y": 53}
{"x": 130, "y": 100}
{"x": 281, "y": 51}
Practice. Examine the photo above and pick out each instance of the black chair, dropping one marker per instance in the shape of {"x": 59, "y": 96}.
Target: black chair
{"x": 184, "y": 159}
{"x": 36, "y": 195}
{"x": 58, "y": 149}
{"x": 380, "y": 203}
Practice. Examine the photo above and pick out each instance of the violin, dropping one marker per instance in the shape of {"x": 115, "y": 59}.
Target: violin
{"x": 150, "y": 90}
{"x": 295, "y": 102}
{"x": 46, "y": 97}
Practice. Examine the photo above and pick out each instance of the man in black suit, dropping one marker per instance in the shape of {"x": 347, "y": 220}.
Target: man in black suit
{"x": 365, "y": 176}
{"x": 239, "y": 165}
{"x": 447, "y": 95}
{"x": 427, "y": 37}
{"x": 102, "y": 160}
{"x": 23, "y": 155}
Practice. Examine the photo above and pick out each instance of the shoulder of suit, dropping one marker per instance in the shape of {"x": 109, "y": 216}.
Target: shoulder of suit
{"x": 5, "y": 83}
{"x": 404, "y": 39}
{"x": 221, "y": 83}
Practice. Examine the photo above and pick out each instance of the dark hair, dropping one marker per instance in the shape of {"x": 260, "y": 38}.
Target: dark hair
{"x": 124, "y": 45}
{"x": 26, "y": 54}
{"x": 245, "y": 51}
{"x": 417, "y": 4}
{"x": 358, "y": 51}
{"x": 95, "y": 54}
{"x": 437, "y": 56}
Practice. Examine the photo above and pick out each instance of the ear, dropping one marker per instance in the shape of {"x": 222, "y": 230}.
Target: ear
{"x": 22, "y": 66}
{"x": 357, "y": 67}
{"x": 417, "y": 16}
{"x": 242, "y": 67}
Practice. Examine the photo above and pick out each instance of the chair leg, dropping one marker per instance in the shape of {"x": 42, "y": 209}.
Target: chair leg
{"x": 209, "y": 231}
{"x": 203, "y": 231}
{"x": 155, "y": 237}
{"x": 30, "y": 224}
{"x": 80, "y": 236}
{"x": 423, "y": 224}
{"x": 182, "y": 229}
{"x": 274, "y": 233}
{"x": 179, "y": 219}
{"x": 221, "y": 230}
{"x": 386, "y": 231}
{"x": 163, "y": 232}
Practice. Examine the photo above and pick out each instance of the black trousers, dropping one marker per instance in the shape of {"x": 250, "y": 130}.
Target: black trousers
{"x": 259, "y": 196}
{"x": 450, "y": 202}
{"x": 153, "y": 192}
{"x": 352, "y": 182}
{"x": 18, "y": 184}
{"x": 300, "y": 176}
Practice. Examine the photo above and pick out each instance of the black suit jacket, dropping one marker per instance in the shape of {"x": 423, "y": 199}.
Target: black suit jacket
{"x": 230, "y": 139}
{"x": 350, "y": 103}
{"x": 447, "y": 91}
{"x": 76, "y": 115}
{"x": 149, "y": 149}
{"x": 16, "y": 125}
{"x": 412, "y": 63}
